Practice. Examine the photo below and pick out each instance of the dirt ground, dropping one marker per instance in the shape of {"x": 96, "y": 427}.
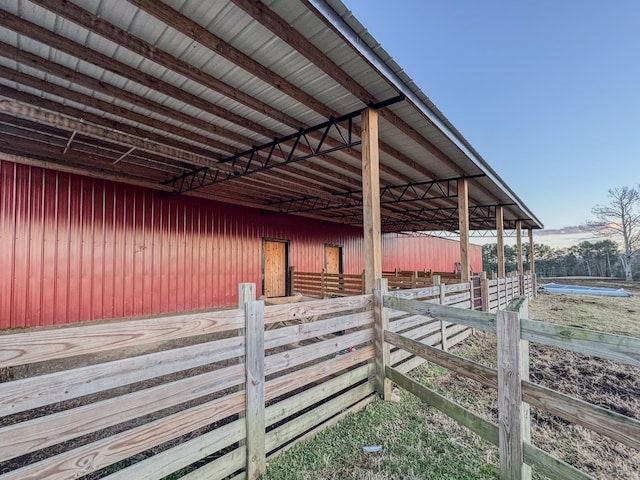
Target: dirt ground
{"x": 601, "y": 382}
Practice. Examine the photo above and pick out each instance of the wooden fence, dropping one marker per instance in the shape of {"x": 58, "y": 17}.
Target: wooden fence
{"x": 489, "y": 294}
{"x": 208, "y": 395}
{"x": 514, "y": 332}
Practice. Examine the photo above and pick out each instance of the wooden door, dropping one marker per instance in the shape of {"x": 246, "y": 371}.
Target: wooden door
{"x": 332, "y": 259}
{"x": 275, "y": 268}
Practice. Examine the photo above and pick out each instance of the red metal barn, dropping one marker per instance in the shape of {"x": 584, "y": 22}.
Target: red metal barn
{"x": 75, "y": 248}
{"x": 154, "y": 154}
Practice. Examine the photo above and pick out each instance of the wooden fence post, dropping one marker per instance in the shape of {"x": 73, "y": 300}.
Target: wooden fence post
{"x": 484, "y": 291}
{"x": 292, "y": 281}
{"x": 254, "y": 352}
{"x": 246, "y": 294}
{"x": 513, "y": 427}
{"x": 381, "y": 323}
{"x": 443, "y": 298}
{"x": 322, "y": 284}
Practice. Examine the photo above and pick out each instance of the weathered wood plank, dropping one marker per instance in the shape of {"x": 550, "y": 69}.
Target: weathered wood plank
{"x": 610, "y": 424}
{"x": 551, "y": 467}
{"x": 476, "y": 371}
{"x": 315, "y": 373}
{"x": 463, "y": 227}
{"x": 43, "y": 345}
{"x": 297, "y": 356}
{"x": 315, "y": 308}
{"x": 96, "y": 455}
{"x": 473, "y": 422}
{"x": 329, "y": 423}
{"x": 458, "y": 298}
{"x": 184, "y": 454}
{"x": 471, "y": 318}
{"x": 285, "y": 408}
{"x": 510, "y": 414}
{"x": 221, "y": 467}
{"x": 588, "y": 342}
{"x": 304, "y": 422}
{"x": 255, "y": 396}
{"x": 34, "y": 392}
{"x": 406, "y": 323}
{"x": 416, "y": 293}
{"x": 381, "y": 323}
{"x": 296, "y": 333}
{"x": 371, "y": 199}
{"x": 31, "y": 435}
{"x": 457, "y": 287}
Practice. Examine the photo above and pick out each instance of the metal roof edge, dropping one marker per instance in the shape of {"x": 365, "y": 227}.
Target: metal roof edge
{"x": 351, "y": 29}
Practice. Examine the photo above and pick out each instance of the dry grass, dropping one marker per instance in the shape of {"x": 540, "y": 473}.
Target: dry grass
{"x": 600, "y": 382}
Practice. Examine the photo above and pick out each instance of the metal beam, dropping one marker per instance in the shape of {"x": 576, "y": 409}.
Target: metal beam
{"x": 389, "y": 194}
{"x": 287, "y": 148}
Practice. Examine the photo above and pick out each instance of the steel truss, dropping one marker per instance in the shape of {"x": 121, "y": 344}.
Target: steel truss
{"x": 277, "y": 153}
{"x": 445, "y": 218}
{"x": 390, "y": 194}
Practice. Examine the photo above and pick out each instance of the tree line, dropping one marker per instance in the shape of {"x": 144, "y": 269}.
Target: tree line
{"x": 619, "y": 219}
{"x": 592, "y": 259}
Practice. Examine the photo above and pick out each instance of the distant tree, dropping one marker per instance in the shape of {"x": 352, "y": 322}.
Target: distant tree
{"x": 622, "y": 217}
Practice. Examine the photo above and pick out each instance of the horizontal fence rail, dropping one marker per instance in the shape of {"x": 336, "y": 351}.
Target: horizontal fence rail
{"x": 104, "y": 396}
{"x": 211, "y": 394}
{"x": 613, "y": 347}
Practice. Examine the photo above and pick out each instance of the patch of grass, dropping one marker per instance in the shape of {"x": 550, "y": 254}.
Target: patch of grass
{"x": 410, "y": 450}
{"x": 443, "y": 450}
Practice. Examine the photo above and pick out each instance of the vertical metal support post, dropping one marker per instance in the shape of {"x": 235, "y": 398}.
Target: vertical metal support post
{"x": 381, "y": 323}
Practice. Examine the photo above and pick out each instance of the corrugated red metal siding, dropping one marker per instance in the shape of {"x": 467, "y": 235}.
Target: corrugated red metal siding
{"x": 74, "y": 248}
{"x": 425, "y": 253}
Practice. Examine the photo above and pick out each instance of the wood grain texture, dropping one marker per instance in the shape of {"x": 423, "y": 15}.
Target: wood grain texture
{"x": 463, "y": 228}
{"x": 371, "y": 199}
{"x": 316, "y": 308}
{"x": 332, "y": 421}
{"x": 285, "y": 408}
{"x": 308, "y": 420}
{"x": 315, "y": 373}
{"x": 43, "y": 345}
{"x": 610, "y": 424}
{"x": 412, "y": 321}
{"x": 500, "y": 239}
{"x": 588, "y": 342}
{"x": 37, "y": 433}
{"x": 551, "y": 467}
{"x": 298, "y": 356}
{"x": 471, "y": 318}
{"x": 381, "y": 323}
{"x": 184, "y": 454}
{"x": 34, "y": 392}
{"x": 220, "y": 467}
{"x": 510, "y": 417}
{"x": 304, "y": 331}
{"x": 96, "y": 455}
{"x": 255, "y": 388}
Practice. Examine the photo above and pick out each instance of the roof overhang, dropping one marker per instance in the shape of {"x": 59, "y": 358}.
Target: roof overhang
{"x": 239, "y": 101}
